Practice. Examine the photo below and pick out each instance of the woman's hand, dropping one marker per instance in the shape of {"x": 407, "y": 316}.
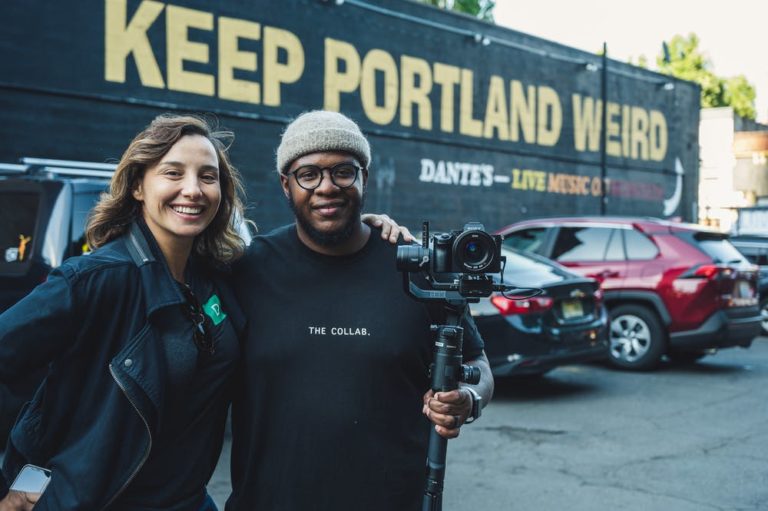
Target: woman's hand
{"x": 389, "y": 228}
{"x": 19, "y": 501}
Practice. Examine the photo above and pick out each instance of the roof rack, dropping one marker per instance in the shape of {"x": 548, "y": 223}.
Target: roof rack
{"x": 49, "y": 168}
{"x": 68, "y": 164}
{"x": 12, "y": 168}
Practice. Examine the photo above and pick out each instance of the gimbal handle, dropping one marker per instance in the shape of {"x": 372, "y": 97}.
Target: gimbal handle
{"x": 447, "y": 372}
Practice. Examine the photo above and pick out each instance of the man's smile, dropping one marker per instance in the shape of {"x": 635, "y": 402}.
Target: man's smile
{"x": 329, "y": 209}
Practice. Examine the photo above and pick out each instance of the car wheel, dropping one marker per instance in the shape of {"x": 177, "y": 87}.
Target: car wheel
{"x": 636, "y": 336}
{"x": 764, "y": 315}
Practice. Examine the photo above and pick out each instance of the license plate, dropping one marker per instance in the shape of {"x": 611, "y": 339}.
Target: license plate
{"x": 744, "y": 289}
{"x": 743, "y": 294}
{"x": 572, "y": 309}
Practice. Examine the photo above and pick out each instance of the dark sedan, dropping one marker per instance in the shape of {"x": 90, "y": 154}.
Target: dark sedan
{"x": 755, "y": 249}
{"x": 566, "y": 323}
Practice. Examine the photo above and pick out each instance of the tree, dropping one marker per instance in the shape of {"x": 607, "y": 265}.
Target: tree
{"x": 683, "y": 59}
{"x": 482, "y": 9}
{"x": 740, "y": 94}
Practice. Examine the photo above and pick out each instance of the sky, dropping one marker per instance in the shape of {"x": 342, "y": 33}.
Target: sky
{"x": 732, "y": 34}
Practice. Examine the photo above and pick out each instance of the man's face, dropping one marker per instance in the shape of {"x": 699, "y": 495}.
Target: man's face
{"x": 328, "y": 214}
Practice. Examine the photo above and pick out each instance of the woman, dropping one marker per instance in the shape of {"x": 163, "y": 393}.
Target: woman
{"x": 140, "y": 336}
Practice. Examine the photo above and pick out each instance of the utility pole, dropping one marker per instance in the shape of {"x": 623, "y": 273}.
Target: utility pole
{"x": 604, "y": 131}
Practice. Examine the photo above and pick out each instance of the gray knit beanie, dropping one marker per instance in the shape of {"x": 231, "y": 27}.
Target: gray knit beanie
{"x": 321, "y": 130}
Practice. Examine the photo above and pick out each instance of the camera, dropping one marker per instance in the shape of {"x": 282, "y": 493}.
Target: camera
{"x": 455, "y": 261}
{"x": 470, "y": 250}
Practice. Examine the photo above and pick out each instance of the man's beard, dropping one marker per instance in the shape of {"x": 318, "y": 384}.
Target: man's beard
{"x": 329, "y": 238}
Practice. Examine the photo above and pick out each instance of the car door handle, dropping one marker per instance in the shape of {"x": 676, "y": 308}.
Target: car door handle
{"x": 605, "y": 274}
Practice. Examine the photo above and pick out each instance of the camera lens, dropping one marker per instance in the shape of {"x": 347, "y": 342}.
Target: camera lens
{"x": 474, "y": 251}
{"x": 411, "y": 258}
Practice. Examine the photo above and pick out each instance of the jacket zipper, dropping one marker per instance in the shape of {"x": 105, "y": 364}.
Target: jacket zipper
{"x": 136, "y": 245}
{"x": 149, "y": 433}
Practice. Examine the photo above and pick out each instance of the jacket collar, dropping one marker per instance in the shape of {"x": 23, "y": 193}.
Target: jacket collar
{"x": 159, "y": 286}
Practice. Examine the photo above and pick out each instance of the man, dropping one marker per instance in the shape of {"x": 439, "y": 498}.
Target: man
{"x": 329, "y": 415}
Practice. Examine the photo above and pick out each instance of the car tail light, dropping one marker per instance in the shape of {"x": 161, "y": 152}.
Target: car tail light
{"x": 731, "y": 290}
{"x": 707, "y": 271}
{"x": 598, "y": 296}
{"x": 508, "y": 306}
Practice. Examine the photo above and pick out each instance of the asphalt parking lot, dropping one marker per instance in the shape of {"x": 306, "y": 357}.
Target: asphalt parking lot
{"x": 591, "y": 438}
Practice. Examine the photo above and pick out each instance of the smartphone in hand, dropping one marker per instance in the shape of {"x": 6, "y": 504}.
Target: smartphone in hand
{"x": 31, "y": 479}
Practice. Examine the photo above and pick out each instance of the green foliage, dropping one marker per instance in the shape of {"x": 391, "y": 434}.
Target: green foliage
{"x": 482, "y": 9}
{"x": 740, "y": 94}
{"x": 686, "y": 61}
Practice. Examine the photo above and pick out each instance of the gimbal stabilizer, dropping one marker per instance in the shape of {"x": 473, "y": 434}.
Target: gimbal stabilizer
{"x": 472, "y": 252}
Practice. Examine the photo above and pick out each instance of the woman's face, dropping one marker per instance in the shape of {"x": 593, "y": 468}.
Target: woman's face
{"x": 181, "y": 194}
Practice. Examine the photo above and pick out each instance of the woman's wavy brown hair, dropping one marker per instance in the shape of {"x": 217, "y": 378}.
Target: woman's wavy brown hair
{"x": 117, "y": 209}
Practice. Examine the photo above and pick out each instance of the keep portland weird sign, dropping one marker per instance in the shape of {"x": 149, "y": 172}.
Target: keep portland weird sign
{"x": 469, "y": 119}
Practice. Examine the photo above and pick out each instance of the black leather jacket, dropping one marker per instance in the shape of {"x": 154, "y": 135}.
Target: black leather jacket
{"x": 99, "y": 321}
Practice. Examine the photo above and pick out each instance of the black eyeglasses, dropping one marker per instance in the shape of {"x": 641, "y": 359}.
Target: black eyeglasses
{"x": 342, "y": 175}
{"x": 202, "y": 331}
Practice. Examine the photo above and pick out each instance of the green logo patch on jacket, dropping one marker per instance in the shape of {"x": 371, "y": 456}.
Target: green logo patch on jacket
{"x": 213, "y": 308}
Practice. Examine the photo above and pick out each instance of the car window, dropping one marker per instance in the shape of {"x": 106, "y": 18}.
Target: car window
{"x": 760, "y": 259}
{"x": 582, "y": 244}
{"x": 639, "y": 246}
{"x": 526, "y": 240}
{"x": 719, "y": 248}
{"x": 18, "y": 215}
{"x": 755, "y": 250}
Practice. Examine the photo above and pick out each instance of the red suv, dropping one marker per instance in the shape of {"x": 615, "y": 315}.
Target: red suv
{"x": 671, "y": 288}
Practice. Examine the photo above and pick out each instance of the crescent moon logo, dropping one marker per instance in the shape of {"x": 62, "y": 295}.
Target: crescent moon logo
{"x": 671, "y": 204}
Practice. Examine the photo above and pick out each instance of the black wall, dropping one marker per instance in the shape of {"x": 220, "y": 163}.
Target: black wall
{"x": 55, "y": 102}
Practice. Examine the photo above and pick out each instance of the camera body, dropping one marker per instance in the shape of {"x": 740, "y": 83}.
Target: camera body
{"x": 470, "y": 250}
{"x": 458, "y": 261}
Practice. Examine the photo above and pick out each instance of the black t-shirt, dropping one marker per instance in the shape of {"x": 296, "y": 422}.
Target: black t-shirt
{"x": 187, "y": 446}
{"x": 328, "y": 416}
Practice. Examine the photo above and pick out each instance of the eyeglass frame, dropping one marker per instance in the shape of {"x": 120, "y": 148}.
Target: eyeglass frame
{"x": 201, "y": 332}
{"x": 330, "y": 170}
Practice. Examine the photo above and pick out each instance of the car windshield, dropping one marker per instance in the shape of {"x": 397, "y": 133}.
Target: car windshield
{"x": 18, "y": 214}
{"x": 523, "y": 271}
